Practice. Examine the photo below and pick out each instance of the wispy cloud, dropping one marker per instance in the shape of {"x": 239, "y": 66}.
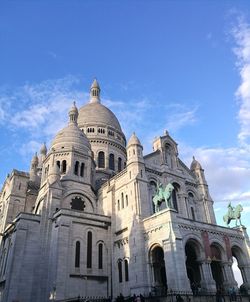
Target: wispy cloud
{"x": 227, "y": 171}
{"x": 241, "y": 35}
{"x": 180, "y": 118}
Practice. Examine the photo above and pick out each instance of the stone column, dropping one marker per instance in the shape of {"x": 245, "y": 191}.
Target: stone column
{"x": 228, "y": 275}
{"x": 245, "y": 272}
{"x": 175, "y": 259}
{"x": 207, "y": 282}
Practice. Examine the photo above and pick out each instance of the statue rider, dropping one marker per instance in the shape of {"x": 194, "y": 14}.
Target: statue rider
{"x": 160, "y": 190}
{"x": 230, "y": 210}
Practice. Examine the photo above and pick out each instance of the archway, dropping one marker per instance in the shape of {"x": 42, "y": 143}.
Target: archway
{"x": 216, "y": 266}
{"x": 238, "y": 265}
{"x": 158, "y": 269}
{"x": 192, "y": 264}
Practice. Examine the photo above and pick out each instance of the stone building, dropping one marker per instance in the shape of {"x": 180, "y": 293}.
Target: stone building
{"x": 83, "y": 222}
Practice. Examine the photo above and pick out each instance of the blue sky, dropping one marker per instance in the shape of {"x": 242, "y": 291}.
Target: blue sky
{"x": 183, "y": 66}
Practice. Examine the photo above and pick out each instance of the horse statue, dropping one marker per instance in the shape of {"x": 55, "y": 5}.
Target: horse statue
{"x": 233, "y": 214}
{"x": 163, "y": 195}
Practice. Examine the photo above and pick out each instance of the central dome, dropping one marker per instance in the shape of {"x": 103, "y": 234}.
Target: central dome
{"x": 96, "y": 113}
{"x": 105, "y": 135}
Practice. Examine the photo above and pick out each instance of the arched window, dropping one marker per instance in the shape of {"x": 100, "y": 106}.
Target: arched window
{"x": 118, "y": 205}
{"x": 111, "y": 162}
{"x": 126, "y": 269}
{"x": 122, "y": 201}
{"x": 82, "y": 170}
{"x": 58, "y": 164}
{"x": 89, "y": 250}
{"x": 101, "y": 160}
{"x": 192, "y": 213}
{"x": 76, "y": 167}
{"x": 64, "y": 166}
{"x": 126, "y": 200}
{"x": 152, "y": 191}
{"x": 119, "y": 164}
{"x": 174, "y": 196}
{"x": 120, "y": 270}
{"x": 100, "y": 256}
{"x": 77, "y": 254}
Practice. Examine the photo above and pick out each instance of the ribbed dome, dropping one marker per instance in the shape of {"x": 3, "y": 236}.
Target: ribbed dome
{"x": 96, "y": 113}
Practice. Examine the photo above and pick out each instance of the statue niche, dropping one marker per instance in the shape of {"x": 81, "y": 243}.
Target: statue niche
{"x": 77, "y": 204}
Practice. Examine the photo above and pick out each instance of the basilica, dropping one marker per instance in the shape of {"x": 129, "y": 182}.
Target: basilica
{"x": 95, "y": 217}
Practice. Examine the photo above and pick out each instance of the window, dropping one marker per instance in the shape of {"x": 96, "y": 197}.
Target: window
{"x": 111, "y": 162}
{"x": 82, "y": 170}
{"x": 101, "y": 160}
{"x": 111, "y": 133}
{"x": 119, "y": 164}
{"x": 100, "y": 256}
{"x": 77, "y": 204}
{"x": 118, "y": 205}
{"x": 64, "y": 166}
{"x": 192, "y": 213}
{"x": 89, "y": 250}
{"x": 122, "y": 201}
{"x": 77, "y": 254}
{"x": 58, "y": 164}
{"x": 126, "y": 269}
{"x": 76, "y": 167}
{"x": 174, "y": 196}
{"x": 120, "y": 270}
{"x": 91, "y": 130}
{"x": 101, "y": 130}
{"x": 126, "y": 200}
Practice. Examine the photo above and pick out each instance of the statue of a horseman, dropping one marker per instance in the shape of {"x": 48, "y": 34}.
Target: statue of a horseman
{"x": 233, "y": 214}
{"x": 163, "y": 195}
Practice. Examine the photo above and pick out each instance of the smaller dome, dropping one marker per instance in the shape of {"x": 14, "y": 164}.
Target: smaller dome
{"x": 195, "y": 164}
{"x": 134, "y": 140}
{"x": 71, "y": 136}
{"x": 43, "y": 149}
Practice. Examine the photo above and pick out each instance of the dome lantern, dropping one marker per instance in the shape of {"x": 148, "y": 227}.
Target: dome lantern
{"x": 73, "y": 114}
{"x": 95, "y": 92}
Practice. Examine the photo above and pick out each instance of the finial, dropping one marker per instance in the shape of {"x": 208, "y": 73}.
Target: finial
{"x": 95, "y": 92}
{"x": 73, "y": 114}
{"x": 43, "y": 149}
{"x": 193, "y": 157}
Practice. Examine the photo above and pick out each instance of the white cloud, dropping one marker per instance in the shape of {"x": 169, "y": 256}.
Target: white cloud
{"x": 30, "y": 148}
{"x": 180, "y": 119}
{"x": 227, "y": 171}
{"x": 241, "y": 35}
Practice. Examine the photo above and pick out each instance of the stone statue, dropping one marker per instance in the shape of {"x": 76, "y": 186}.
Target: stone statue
{"x": 233, "y": 214}
{"x": 163, "y": 195}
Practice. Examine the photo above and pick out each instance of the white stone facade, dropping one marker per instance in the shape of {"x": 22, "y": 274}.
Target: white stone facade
{"x": 82, "y": 221}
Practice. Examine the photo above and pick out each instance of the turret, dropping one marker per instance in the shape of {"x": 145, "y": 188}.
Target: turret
{"x": 198, "y": 171}
{"x": 135, "y": 160}
{"x": 42, "y": 156}
{"x": 54, "y": 174}
{"x": 196, "y": 168}
{"x": 33, "y": 168}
